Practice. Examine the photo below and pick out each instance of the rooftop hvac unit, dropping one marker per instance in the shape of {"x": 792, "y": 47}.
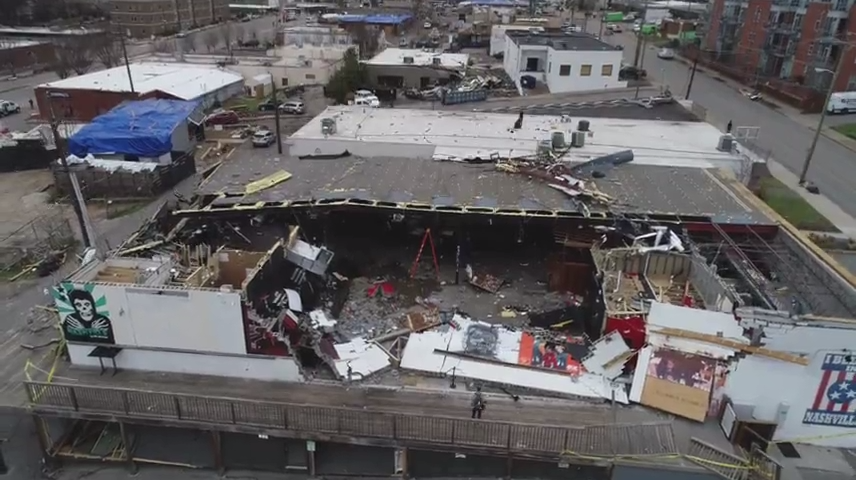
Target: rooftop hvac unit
{"x": 328, "y": 126}
{"x": 578, "y": 139}
{"x": 583, "y": 125}
{"x": 408, "y": 60}
{"x": 557, "y": 137}
{"x": 545, "y": 150}
{"x": 726, "y": 143}
{"x": 437, "y": 61}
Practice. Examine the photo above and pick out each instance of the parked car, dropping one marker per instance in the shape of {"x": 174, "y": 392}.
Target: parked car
{"x": 614, "y": 27}
{"x": 293, "y": 107}
{"x": 363, "y": 93}
{"x": 267, "y": 106}
{"x": 427, "y": 24}
{"x": 223, "y": 117}
{"x": 8, "y": 108}
{"x": 263, "y": 138}
{"x": 666, "y": 54}
{"x": 631, "y": 73}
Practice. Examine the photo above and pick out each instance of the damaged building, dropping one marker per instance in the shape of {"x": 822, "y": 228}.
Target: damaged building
{"x": 611, "y": 286}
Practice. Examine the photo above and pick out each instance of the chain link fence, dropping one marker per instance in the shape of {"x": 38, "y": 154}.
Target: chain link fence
{"x": 49, "y": 231}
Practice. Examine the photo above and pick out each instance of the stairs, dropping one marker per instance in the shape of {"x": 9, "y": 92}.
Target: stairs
{"x": 726, "y": 465}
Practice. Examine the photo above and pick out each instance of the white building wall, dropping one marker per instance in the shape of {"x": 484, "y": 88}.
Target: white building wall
{"x": 245, "y": 367}
{"x": 498, "y": 37}
{"x": 168, "y": 317}
{"x": 551, "y": 60}
{"x": 783, "y": 392}
{"x": 575, "y": 81}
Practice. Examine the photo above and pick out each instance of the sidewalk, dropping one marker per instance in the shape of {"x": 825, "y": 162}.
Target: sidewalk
{"x": 824, "y": 206}
{"x": 782, "y": 108}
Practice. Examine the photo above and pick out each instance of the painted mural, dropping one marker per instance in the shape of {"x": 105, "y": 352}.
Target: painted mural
{"x": 83, "y": 314}
{"x": 834, "y": 402}
{"x": 556, "y": 353}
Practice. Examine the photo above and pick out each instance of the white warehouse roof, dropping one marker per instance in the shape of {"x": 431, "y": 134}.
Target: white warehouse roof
{"x": 183, "y": 81}
{"x": 396, "y": 56}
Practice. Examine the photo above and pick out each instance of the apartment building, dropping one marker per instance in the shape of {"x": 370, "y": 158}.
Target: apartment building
{"x": 143, "y": 18}
{"x": 798, "y": 40}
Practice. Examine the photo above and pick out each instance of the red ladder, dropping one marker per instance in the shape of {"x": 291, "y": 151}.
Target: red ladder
{"x": 427, "y": 238}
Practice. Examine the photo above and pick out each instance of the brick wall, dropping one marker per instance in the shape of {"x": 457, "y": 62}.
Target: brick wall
{"x": 815, "y": 13}
{"x": 716, "y": 9}
{"x": 14, "y": 59}
{"x": 81, "y": 105}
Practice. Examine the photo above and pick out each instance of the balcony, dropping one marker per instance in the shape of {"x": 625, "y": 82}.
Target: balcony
{"x": 789, "y": 4}
{"x": 780, "y": 50}
{"x": 731, "y": 20}
{"x": 784, "y": 28}
{"x": 830, "y": 37}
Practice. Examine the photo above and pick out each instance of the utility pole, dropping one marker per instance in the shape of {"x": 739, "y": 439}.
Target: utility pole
{"x": 127, "y": 64}
{"x": 640, "y": 36}
{"x": 819, "y": 129}
{"x": 77, "y": 198}
{"x": 274, "y": 91}
{"x": 692, "y": 73}
{"x": 641, "y": 59}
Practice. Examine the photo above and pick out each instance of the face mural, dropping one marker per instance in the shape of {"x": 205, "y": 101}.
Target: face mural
{"x": 83, "y": 316}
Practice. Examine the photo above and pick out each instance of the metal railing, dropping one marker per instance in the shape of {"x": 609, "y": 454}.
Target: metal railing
{"x": 592, "y": 441}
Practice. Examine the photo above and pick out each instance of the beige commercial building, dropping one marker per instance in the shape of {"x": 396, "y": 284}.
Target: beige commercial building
{"x": 143, "y": 18}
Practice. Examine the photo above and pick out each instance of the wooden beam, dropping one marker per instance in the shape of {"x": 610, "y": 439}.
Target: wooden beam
{"x": 732, "y": 344}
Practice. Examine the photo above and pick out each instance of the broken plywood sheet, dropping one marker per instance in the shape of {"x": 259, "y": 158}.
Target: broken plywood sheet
{"x": 607, "y": 356}
{"x": 487, "y": 282}
{"x": 675, "y": 382}
{"x": 264, "y": 183}
{"x": 419, "y": 321}
{"x": 706, "y": 322}
{"x": 364, "y": 359}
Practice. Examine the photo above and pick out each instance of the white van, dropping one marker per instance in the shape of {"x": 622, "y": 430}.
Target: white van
{"x": 842, "y": 102}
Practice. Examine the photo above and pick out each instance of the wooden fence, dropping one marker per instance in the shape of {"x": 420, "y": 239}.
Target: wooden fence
{"x": 593, "y": 441}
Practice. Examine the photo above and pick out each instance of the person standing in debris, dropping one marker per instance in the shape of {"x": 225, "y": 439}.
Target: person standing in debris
{"x": 478, "y": 403}
{"x": 728, "y": 127}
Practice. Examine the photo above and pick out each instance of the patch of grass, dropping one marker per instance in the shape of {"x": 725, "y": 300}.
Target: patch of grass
{"x": 120, "y": 209}
{"x": 248, "y": 104}
{"x": 792, "y": 206}
{"x": 848, "y": 130}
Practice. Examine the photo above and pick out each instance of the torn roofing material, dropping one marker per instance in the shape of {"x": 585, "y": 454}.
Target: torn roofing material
{"x": 424, "y": 354}
{"x": 635, "y": 188}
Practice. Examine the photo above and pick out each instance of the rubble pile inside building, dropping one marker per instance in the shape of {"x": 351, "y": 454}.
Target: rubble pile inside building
{"x": 644, "y": 329}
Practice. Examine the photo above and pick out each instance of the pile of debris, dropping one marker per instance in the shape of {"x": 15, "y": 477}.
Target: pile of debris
{"x": 495, "y": 81}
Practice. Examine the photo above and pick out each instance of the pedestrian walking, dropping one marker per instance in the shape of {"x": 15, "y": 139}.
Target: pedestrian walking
{"x": 478, "y": 403}
{"x": 728, "y": 127}
{"x": 31, "y": 104}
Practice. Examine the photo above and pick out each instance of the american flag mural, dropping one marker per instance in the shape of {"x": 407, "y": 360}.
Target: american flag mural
{"x": 834, "y": 402}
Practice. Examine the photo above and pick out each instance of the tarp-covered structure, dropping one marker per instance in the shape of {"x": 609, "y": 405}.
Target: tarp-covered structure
{"x": 142, "y": 129}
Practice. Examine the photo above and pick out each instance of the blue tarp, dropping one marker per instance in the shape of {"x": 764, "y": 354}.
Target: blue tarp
{"x": 142, "y": 129}
{"x": 388, "y": 19}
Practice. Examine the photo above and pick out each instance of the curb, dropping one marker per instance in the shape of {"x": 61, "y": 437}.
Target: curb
{"x": 849, "y": 144}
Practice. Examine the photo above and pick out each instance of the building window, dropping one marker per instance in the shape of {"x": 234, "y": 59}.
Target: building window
{"x": 564, "y": 70}
{"x": 606, "y": 70}
{"x": 310, "y": 76}
{"x": 810, "y": 51}
{"x": 585, "y": 71}
{"x": 817, "y": 25}
{"x": 284, "y": 82}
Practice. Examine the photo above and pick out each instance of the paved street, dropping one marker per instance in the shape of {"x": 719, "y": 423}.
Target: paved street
{"x": 833, "y": 166}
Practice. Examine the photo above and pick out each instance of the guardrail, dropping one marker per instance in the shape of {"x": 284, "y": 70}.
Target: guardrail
{"x": 592, "y": 441}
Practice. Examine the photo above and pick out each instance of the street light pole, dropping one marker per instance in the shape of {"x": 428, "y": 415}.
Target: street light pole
{"x": 819, "y": 129}
{"x": 692, "y": 72}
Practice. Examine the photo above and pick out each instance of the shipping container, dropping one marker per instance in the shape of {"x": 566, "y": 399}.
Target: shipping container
{"x": 454, "y": 98}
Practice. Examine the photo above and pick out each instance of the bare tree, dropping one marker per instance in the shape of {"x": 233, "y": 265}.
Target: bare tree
{"x": 211, "y": 39}
{"x": 366, "y": 39}
{"x": 239, "y": 34}
{"x": 227, "y": 34}
{"x": 164, "y": 46}
{"x": 107, "y": 50}
{"x": 73, "y": 54}
{"x": 7, "y": 56}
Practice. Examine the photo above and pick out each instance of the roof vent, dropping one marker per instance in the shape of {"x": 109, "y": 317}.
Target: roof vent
{"x": 328, "y": 126}
{"x": 408, "y": 60}
{"x": 437, "y": 61}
